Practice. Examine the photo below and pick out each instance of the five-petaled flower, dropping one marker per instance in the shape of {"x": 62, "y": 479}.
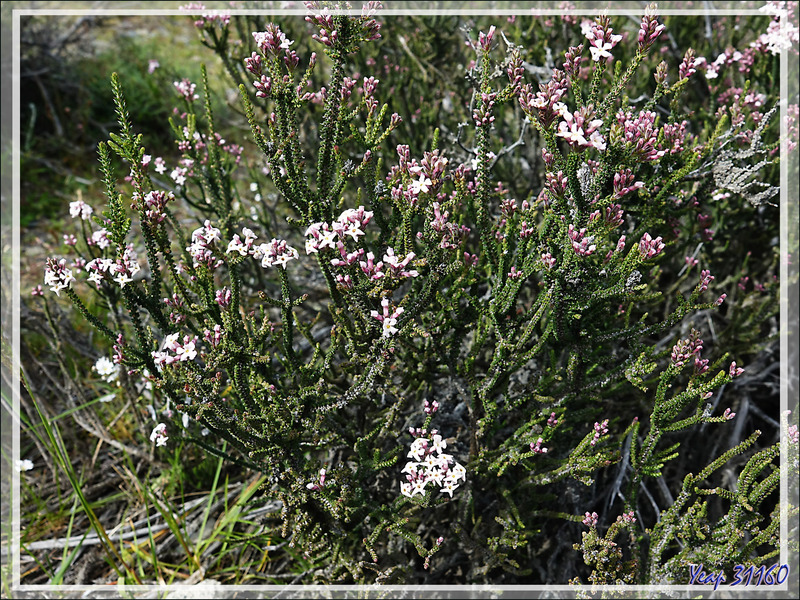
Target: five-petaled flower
{"x": 388, "y": 321}
{"x": 159, "y": 435}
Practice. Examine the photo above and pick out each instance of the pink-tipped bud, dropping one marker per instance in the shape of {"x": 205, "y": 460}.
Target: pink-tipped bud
{"x": 735, "y": 371}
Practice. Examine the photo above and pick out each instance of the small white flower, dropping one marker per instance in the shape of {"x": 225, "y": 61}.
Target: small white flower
{"x": 23, "y": 465}
{"x": 159, "y": 435}
{"x": 436, "y": 476}
{"x": 353, "y": 230}
{"x": 448, "y": 487}
{"x": 122, "y": 279}
{"x": 421, "y": 185}
{"x": 419, "y": 487}
{"x": 446, "y": 459}
{"x": 459, "y": 472}
{"x": 327, "y": 238}
{"x": 171, "y": 341}
{"x": 430, "y": 462}
{"x": 106, "y": 369}
{"x": 419, "y": 448}
{"x": 96, "y": 277}
{"x": 236, "y": 245}
{"x": 186, "y": 352}
{"x": 389, "y": 328}
{"x": 601, "y": 51}
{"x": 178, "y": 175}
{"x": 410, "y": 468}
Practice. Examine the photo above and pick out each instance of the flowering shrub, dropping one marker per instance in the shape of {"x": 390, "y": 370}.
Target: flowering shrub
{"x": 541, "y": 321}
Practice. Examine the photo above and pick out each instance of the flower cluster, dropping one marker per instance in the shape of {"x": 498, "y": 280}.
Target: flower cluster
{"x": 324, "y": 235}
{"x": 366, "y": 27}
{"x": 410, "y": 179}
{"x": 482, "y": 115}
{"x": 581, "y": 243}
{"x": 207, "y": 18}
{"x": 452, "y": 234}
{"x": 686, "y": 349}
{"x": 705, "y": 278}
{"x": 181, "y": 352}
{"x": 675, "y": 135}
{"x": 430, "y": 407}
{"x": 430, "y": 464}
{"x": 186, "y": 89}
{"x": 628, "y": 517}
{"x": 315, "y": 485}
{"x": 398, "y": 265}
{"x": 612, "y": 216}
{"x": 580, "y": 129}
{"x": 275, "y": 253}
{"x": 649, "y": 30}
{"x": 57, "y": 275}
{"x": 557, "y": 183}
{"x": 639, "y": 134}
{"x": 782, "y": 32}
{"x": 649, "y": 247}
{"x": 155, "y": 205}
{"x": 548, "y": 260}
{"x": 537, "y": 447}
{"x": 735, "y": 371}
{"x": 600, "y": 429}
{"x": 177, "y": 316}
{"x": 272, "y": 41}
{"x": 625, "y": 182}
{"x": 121, "y": 271}
{"x": 572, "y": 61}
{"x": 546, "y": 104}
{"x": 601, "y": 40}
{"x": 388, "y": 321}
{"x": 689, "y": 64}
{"x": 202, "y": 247}
{"x": 79, "y": 208}
{"x": 213, "y": 336}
